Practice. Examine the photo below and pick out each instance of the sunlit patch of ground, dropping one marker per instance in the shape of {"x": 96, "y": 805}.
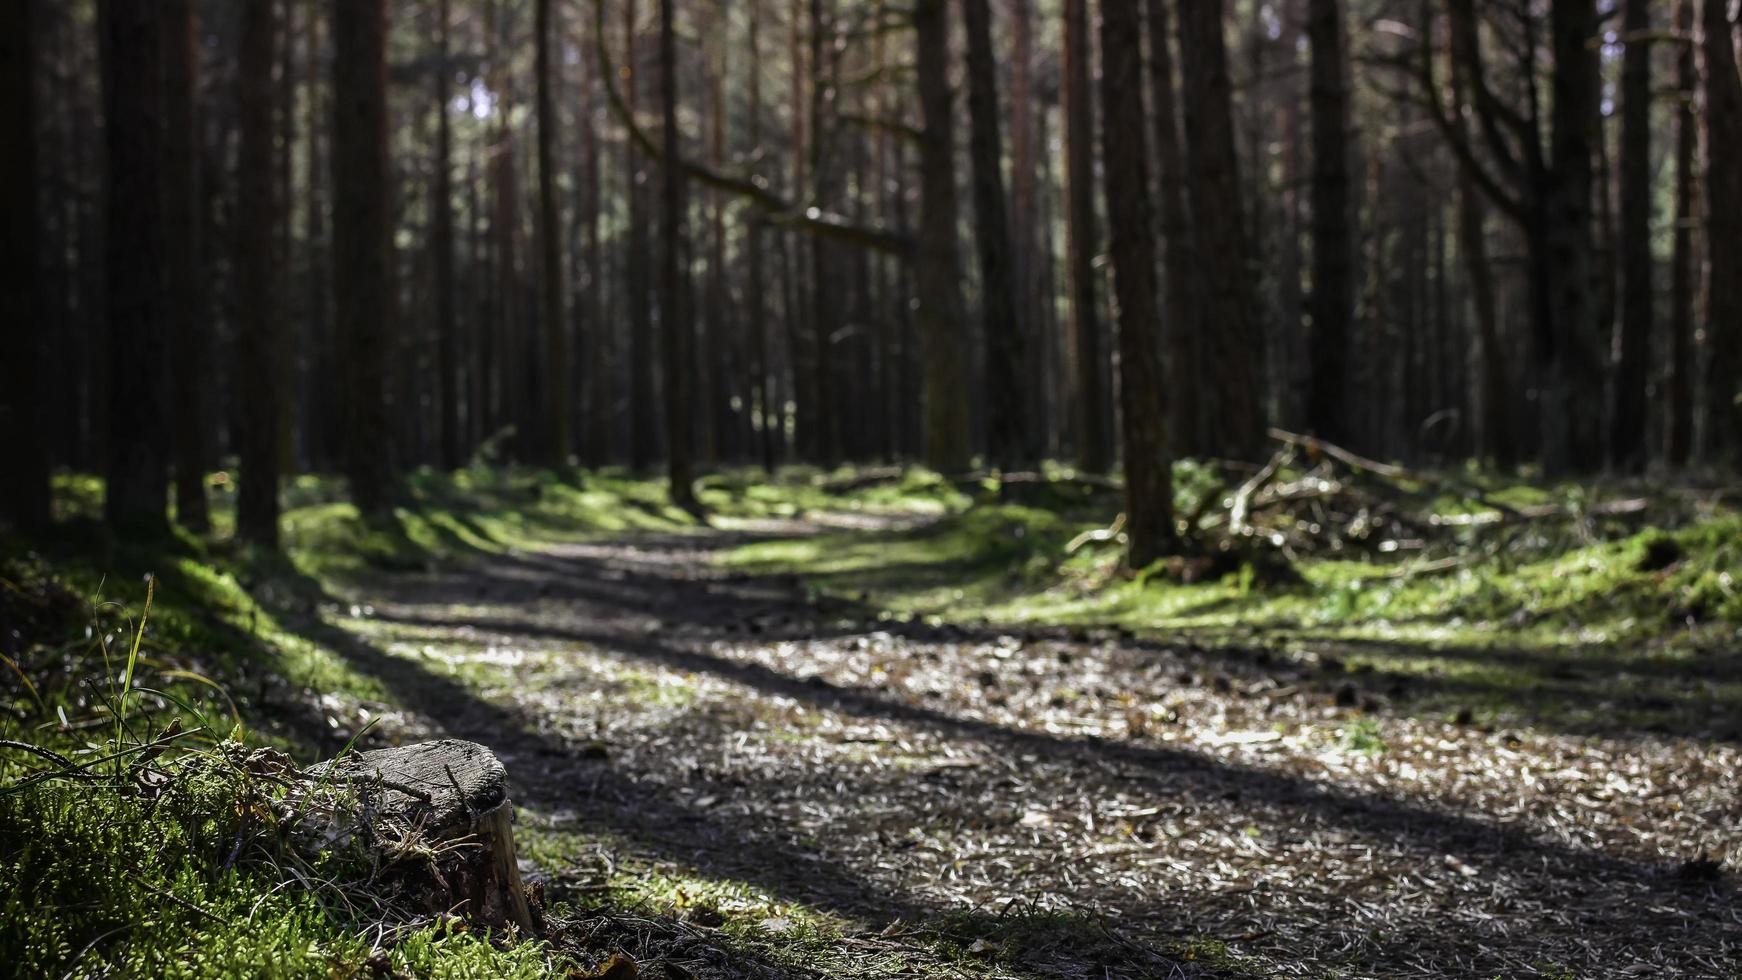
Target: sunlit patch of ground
{"x": 818, "y": 787}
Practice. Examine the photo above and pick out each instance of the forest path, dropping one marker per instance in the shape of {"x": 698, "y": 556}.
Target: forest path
{"x": 657, "y": 710}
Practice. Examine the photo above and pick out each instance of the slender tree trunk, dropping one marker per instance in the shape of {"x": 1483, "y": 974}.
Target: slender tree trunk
{"x": 825, "y": 305}
{"x": 1627, "y": 445}
{"x": 442, "y": 242}
{"x": 1679, "y": 381}
{"x": 363, "y": 246}
{"x": 1723, "y": 234}
{"x": 1234, "y": 347}
{"x": 1184, "y": 324}
{"x": 1142, "y": 384}
{"x": 321, "y": 417}
{"x": 1332, "y": 302}
{"x": 260, "y": 316}
{"x": 1094, "y": 447}
{"x": 757, "y": 312}
{"x": 644, "y": 439}
{"x": 1009, "y": 438}
{"x": 593, "y": 334}
{"x": 937, "y": 276}
{"x": 1024, "y": 193}
{"x": 181, "y": 215}
{"x": 24, "y": 479}
{"x": 673, "y": 308}
{"x": 559, "y": 411}
{"x": 139, "y": 318}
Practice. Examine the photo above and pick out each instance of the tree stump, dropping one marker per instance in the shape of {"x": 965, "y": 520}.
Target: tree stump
{"x": 438, "y": 816}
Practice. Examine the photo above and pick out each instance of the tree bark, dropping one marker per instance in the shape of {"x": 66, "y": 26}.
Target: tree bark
{"x": 674, "y": 312}
{"x": 137, "y": 473}
{"x": 559, "y": 411}
{"x": 442, "y": 243}
{"x": 1234, "y": 361}
{"x": 1627, "y": 445}
{"x": 1332, "y": 301}
{"x": 259, "y": 312}
{"x": 937, "y": 277}
{"x": 24, "y": 480}
{"x": 644, "y": 439}
{"x": 1094, "y": 440}
{"x": 1723, "y": 234}
{"x": 1184, "y": 310}
{"x": 1679, "y": 381}
{"x": 363, "y": 246}
{"x": 189, "y": 329}
{"x": 1142, "y": 387}
{"x": 1008, "y": 430}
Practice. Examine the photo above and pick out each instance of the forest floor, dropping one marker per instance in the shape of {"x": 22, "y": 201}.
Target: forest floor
{"x": 865, "y": 738}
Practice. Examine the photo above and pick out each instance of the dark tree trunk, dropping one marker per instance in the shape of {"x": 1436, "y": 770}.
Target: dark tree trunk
{"x": 24, "y": 479}
{"x": 1094, "y": 446}
{"x": 181, "y": 216}
{"x": 362, "y": 246}
{"x": 937, "y": 276}
{"x": 1723, "y": 235}
{"x": 1332, "y": 301}
{"x": 594, "y": 335}
{"x": 1679, "y": 379}
{"x": 1234, "y": 352}
{"x": 558, "y": 410}
{"x": 757, "y": 306}
{"x": 137, "y": 473}
{"x": 821, "y": 422}
{"x": 259, "y": 314}
{"x": 644, "y": 437}
{"x": 1184, "y": 315}
{"x": 1627, "y": 447}
{"x": 1008, "y": 430}
{"x": 442, "y": 242}
{"x": 1142, "y": 387}
{"x": 674, "y": 312}
{"x": 1571, "y": 383}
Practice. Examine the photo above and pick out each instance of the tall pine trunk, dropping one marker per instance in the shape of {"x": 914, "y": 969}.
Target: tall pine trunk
{"x": 1008, "y": 429}
{"x": 1142, "y": 385}
{"x": 1627, "y": 445}
{"x": 24, "y": 480}
{"x": 1234, "y": 351}
{"x": 259, "y": 313}
{"x": 1094, "y": 438}
{"x": 137, "y": 471}
{"x": 1679, "y": 382}
{"x": 1723, "y": 234}
{"x": 362, "y": 246}
{"x": 937, "y": 276}
{"x": 1332, "y": 301}
{"x": 558, "y": 408}
{"x": 442, "y": 243}
{"x": 674, "y": 311}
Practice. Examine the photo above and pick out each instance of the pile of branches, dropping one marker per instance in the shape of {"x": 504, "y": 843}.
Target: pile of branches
{"x": 1315, "y": 498}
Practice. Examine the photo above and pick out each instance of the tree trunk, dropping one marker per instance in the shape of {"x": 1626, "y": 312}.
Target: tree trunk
{"x": 363, "y": 245}
{"x": 1094, "y": 446}
{"x": 1332, "y": 300}
{"x": 24, "y": 480}
{"x": 1142, "y": 387}
{"x": 1008, "y": 431}
{"x": 644, "y": 438}
{"x": 259, "y": 312}
{"x": 1184, "y": 314}
{"x": 1627, "y": 446}
{"x": 559, "y": 413}
{"x": 1679, "y": 380}
{"x": 181, "y": 217}
{"x": 673, "y": 300}
{"x": 137, "y": 474}
{"x": 1723, "y": 235}
{"x": 1571, "y": 387}
{"x": 757, "y": 312}
{"x": 442, "y": 243}
{"x": 937, "y": 276}
{"x": 1234, "y": 361}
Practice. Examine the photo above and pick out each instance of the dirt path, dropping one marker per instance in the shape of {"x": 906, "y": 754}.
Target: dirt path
{"x": 1230, "y": 804}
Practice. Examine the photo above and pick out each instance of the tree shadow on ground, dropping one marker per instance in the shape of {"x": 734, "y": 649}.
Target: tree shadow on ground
{"x": 650, "y": 611}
